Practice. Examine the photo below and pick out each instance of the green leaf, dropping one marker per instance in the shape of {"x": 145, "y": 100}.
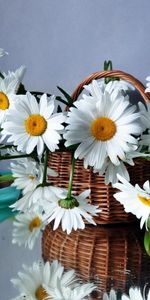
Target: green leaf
{"x": 147, "y": 242}
{"x": 5, "y": 178}
{"x": 67, "y": 96}
{"x": 108, "y": 67}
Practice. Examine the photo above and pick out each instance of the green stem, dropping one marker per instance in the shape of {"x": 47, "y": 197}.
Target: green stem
{"x": 71, "y": 178}
{"x": 14, "y": 156}
{"x": 45, "y": 167}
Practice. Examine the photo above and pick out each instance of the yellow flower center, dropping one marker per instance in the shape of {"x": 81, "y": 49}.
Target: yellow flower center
{"x": 4, "y": 101}
{"x": 41, "y": 293}
{"x": 35, "y": 125}
{"x": 103, "y": 129}
{"x": 31, "y": 177}
{"x": 144, "y": 200}
{"x": 35, "y": 223}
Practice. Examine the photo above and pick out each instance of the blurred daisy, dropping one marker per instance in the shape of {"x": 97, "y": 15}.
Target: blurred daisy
{"x": 34, "y": 282}
{"x": 39, "y": 196}
{"x": 112, "y": 87}
{"x": 28, "y": 174}
{"x": 147, "y": 90}
{"x": 70, "y": 212}
{"x": 99, "y": 126}
{"x": 27, "y": 228}
{"x": 135, "y": 294}
{"x": 110, "y": 171}
{"x": 32, "y": 124}
{"x": 112, "y": 295}
{"x": 134, "y": 199}
{"x": 3, "y": 52}
{"x": 67, "y": 293}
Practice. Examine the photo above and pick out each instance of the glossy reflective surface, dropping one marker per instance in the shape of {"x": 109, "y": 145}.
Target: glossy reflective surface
{"x": 109, "y": 256}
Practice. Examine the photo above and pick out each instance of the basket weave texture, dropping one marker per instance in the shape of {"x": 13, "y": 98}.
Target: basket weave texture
{"x": 101, "y": 194}
{"x": 105, "y": 255}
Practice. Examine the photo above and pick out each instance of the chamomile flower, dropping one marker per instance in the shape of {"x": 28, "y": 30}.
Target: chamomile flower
{"x": 99, "y": 125}
{"x": 31, "y": 124}
{"x": 134, "y": 199}
{"x": 7, "y": 95}
{"x": 145, "y": 117}
{"x": 28, "y": 174}
{"x": 70, "y": 211}
{"x": 135, "y": 294}
{"x": 27, "y": 227}
{"x": 35, "y": 280}
{"x": 18, "y": 74}
{"x": 111, "y": 296}
{"x": 39, "y": 196}
{"x": 80, "y": 291}
{"x": 112, "y": 87}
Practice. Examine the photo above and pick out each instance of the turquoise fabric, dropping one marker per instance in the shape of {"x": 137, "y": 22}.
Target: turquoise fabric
{"x": 8, "y": 196}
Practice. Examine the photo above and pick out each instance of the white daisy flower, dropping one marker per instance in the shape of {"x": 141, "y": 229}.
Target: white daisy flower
{"x": 7, "y": 95}
{"x": 27, "y": 227}
{"x": 147, "y": 90}
{"x": 145, "y": 118}
{"x": 113, "y": 87}
{"x": 35, "y": 280}
{"x": 71, "y": 293}
{"x": 28, "y": 174}
{"x": 134, "y": 199}
{"x": 3, "y": 52}
{"x": 99, "y": 126}
{"x": 112, "y": 295}
{"x": 110, "y": 171}
{"x": 70, "y": 212}
{"x": 135, "y": 294}
{"x": 39, "y": 197}
{"x": 18, "y": 74}
{"x": 32, "y": 124}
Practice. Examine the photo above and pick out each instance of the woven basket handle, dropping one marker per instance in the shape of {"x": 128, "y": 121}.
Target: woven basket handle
{"x": 114, "y": 73}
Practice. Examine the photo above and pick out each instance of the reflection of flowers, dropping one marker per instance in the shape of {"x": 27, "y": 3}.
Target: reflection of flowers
{"x": 27, "y": 227}
{"x": 37, "y": 281}
{"x": 111, "y": 296}
{"x": 134, "y": 199}
{"x": 135, "y": 294}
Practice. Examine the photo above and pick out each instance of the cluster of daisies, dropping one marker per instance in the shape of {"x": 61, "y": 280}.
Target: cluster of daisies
{"x": 134, "y": 294}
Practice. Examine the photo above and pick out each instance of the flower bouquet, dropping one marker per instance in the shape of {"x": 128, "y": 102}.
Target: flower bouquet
{"x": 67, "y": 160}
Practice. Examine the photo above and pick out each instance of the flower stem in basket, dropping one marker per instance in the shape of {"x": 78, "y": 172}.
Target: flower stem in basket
{"x": 71, "y": 178}
{"x": 45, "y": 167}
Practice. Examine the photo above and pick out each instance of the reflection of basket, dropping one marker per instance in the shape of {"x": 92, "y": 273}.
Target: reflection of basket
{"x": 102, "y": 195}
{"x": 105, "y": 255}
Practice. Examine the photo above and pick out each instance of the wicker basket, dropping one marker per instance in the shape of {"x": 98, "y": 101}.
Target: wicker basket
{"x": 100, "y": 254}
{"x": 101, "y": 194}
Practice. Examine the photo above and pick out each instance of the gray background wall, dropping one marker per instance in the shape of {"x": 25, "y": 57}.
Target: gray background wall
{"x": 61, "y": 42}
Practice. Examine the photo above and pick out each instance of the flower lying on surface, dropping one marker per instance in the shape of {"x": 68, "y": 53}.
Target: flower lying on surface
{"x": 112, "y": 295}
{"x": 135, "y": 294}
{"x": 134, "y": 199}
{"x": 27, "y": 227}
{"x": 70, "y": 211}
{"x": 28, "y": 174}
{"x": 36, "y": 281}
{"x": 31, "y": 124}
{"x": 99, "y": 125}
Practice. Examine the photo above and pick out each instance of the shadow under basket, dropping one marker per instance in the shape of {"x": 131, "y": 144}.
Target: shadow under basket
{"x": 101, "y": 194}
